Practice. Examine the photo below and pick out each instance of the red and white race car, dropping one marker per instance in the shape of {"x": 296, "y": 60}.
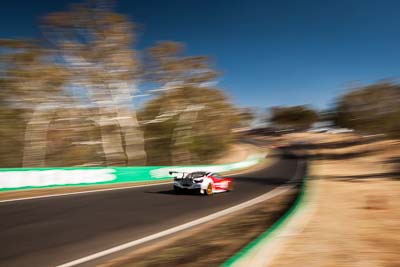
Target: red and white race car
{"x": 206, "y": 183}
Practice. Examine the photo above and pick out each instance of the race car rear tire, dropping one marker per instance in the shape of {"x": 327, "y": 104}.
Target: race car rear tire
{"x": 209, "y": 190}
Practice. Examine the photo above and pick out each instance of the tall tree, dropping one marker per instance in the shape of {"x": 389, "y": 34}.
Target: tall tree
{"x": 298, "y": 117}
{"x": 177, "y": 73}
{"x": 371, "y": 109}
{"x": 95, "y": 44}
{"x": 203, "y": 126}
{"x": 32, "y": 81}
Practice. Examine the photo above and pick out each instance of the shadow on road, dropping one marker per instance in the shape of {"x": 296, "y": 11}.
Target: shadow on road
{"x": 389, "y": 175}
{"x": 172, "y": 192}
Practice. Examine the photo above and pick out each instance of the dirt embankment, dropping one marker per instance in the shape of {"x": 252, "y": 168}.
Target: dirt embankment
{"x": 356, "y": 220}
{"x": 238, "y": 152}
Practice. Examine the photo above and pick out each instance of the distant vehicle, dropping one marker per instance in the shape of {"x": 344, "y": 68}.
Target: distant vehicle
{"x": 340, "y": 130}
{"x": 330, "y": 130}
{"x": 319, "y": 130}
{"x": 205, "y": 183}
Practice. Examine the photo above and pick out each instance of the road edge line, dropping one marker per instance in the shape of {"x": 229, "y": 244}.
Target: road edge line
{"x": 270, "y": 194}
{"x": 108, "y": 189}
{"x": 256, "y": 252}
{"x": 82, "y": 192}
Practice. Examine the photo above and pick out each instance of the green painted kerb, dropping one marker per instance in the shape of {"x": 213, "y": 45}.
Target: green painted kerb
{"x": 29, "y": 178}
{"x": 266, "y": 236}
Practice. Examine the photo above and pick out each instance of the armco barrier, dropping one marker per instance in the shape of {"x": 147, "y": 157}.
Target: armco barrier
{"x": 256, "y": 253}
{"x": 29, "y": 178}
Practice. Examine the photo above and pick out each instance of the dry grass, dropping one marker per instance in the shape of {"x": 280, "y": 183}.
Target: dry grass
{"x": 238, "y": 152}
{"x": 357, "y": 218}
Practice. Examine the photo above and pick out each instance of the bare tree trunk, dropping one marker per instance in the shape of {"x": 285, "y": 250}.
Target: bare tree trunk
{"x": 182, "y": 138}
{"x": 111, "y": 141}
{"x": 35, "y": 143}
{"x": 132, "y": 137}
{"x": 131, "y": 134}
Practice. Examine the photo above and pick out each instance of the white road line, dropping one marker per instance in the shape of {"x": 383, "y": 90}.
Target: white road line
{"x": 82, "y": 192}
{"x": 275, "y": 192}
{"x": 263, "y": 255}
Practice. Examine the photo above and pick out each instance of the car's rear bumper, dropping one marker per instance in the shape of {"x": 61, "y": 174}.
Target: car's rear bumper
{"x": 191, "y": 187}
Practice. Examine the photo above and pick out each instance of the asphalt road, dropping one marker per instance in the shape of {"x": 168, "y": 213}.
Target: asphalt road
{"x": 52, "y": 231}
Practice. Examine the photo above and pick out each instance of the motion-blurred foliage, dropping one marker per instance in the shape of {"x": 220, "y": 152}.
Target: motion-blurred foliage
{"x": 67, "y": 97}
{"x": 188, "y": 121}
{"x": 245, "y": 117}
{"x": 11, "y": 137}
{"x": 371, "y": 109}
{"x": 204, "y": 115}
{"x": 295, "y": 117}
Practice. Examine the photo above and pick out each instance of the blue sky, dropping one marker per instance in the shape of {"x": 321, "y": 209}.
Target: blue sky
{"x": 270, "y": 52}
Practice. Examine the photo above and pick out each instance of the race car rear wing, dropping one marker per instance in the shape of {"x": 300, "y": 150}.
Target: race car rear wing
{"x": 178, "y": 175}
